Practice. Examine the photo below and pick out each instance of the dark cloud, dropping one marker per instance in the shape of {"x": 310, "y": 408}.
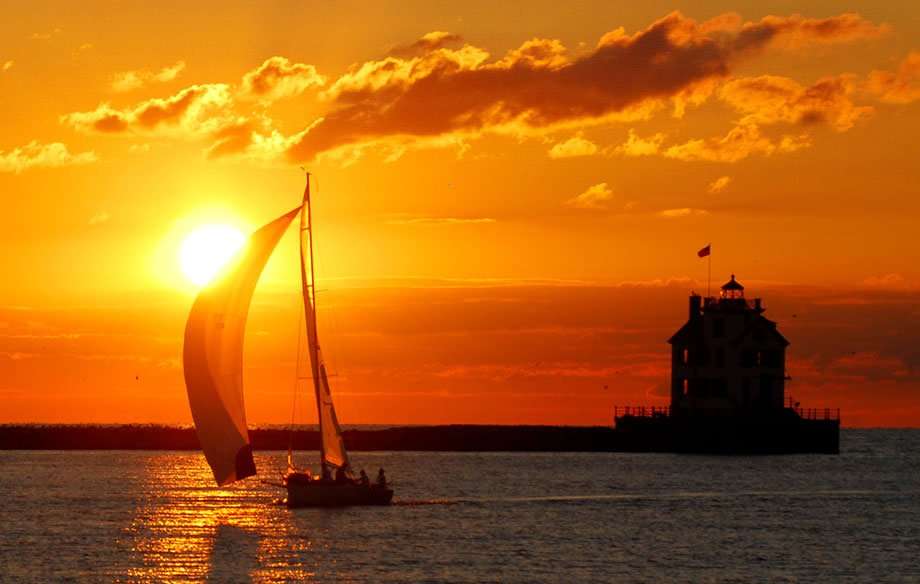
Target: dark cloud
{"x": 537, "y": 86}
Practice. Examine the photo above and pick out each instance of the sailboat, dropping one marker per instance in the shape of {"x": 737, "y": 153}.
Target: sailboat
{"x": 213, "y": 369}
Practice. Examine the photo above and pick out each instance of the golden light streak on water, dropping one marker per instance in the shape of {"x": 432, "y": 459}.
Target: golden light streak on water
{"x": 193, "y": 530}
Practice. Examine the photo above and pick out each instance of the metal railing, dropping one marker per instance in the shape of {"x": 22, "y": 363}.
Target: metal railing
{"x": 665, "y": 411}
{"x": 752, "y": 304}
{"x": 642, "y": 411}
{"x": 812, "y": 413}
{"x": 818, "y": 413}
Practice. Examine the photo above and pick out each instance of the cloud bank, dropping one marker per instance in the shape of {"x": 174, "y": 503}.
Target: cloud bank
{"x": 441, "y": 92}
{"x": 36, "y": 155}
{"x": 540, "y": 86}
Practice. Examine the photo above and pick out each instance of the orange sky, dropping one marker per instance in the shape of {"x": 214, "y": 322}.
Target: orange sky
{"x": 510, "y": 198}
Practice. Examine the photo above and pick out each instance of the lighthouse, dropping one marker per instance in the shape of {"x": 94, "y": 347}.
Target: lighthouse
{"x": 727, "y": 359}
{"x": 728, "y": 383}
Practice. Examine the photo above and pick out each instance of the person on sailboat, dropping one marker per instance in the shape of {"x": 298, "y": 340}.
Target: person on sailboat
{"x": 364, "y": 481}
{"x": 327, "y": 475}
{"x": 381, "y": 479}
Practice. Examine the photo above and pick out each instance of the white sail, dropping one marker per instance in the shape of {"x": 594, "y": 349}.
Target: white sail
{"x": 332, "y": 447}
{"x": 213, "y": 355}
{"x": 330, "y": 432}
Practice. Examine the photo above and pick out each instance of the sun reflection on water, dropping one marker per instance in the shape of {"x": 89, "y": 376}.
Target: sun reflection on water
{"x": 188, "y": 529}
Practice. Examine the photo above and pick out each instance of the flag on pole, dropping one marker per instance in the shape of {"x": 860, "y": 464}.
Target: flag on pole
{"x": 705, "y": 251}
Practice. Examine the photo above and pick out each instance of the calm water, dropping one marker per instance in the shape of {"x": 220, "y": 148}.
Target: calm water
{"x": 154, "y": 516}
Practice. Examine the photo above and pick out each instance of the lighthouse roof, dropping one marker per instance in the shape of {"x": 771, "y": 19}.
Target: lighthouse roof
{"x": 732, "y": 284}
{"x": 761, "y": 329}
{"x": 758, "y": 330}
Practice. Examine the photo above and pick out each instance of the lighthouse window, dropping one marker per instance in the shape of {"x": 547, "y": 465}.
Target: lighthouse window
{"x": 718, "y": 328}
{"x": 685, "y": 356}
{"x": 685, "y": 387}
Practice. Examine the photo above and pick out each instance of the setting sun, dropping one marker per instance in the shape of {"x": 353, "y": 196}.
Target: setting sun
{"x": 206, "y": 249}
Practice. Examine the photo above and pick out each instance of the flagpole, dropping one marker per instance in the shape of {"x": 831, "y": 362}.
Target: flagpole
{"x": 709, "y": 275}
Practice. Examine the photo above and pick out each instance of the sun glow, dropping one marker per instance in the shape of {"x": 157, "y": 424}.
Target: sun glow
{"x": 205, "y": 250}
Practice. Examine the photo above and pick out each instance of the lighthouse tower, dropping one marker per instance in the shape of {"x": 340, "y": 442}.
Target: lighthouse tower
{"x": 728, "y": 359}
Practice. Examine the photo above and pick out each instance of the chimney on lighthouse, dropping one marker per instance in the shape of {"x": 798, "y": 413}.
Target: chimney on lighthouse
{"x": 696, "y": 304}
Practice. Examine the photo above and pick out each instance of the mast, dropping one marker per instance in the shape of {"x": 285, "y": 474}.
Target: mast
{"x": 309, "y": 303}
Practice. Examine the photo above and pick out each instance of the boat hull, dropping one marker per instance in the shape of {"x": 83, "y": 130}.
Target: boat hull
{"x": 317, "y": 494}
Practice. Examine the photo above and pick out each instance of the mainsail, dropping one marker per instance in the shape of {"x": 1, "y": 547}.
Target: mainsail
{"x": 332, "y": 447}
{"x": 213, "y": 356}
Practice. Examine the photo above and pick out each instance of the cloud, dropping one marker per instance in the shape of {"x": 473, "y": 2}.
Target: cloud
{"x": 739, "y": 143}
{"x": 277, "y": 78}
{"x": 127, "y": 81}
{"x": 797, "y": 31}
{"x": 131, "y": 80}
{"x": 718, "y": 185}
{"x": 793, "y": 143}
{"x": 539, "y": 86}
{"x": 595, "y": 197}
{"x": 899, "y": 86}
{"x": 393, "y": 75}
{"x": 682, "y": 212}
{"x": 636, "y": 146}
{"x": 196, "y": 109}
{"x": 16, "y": 355}
{"x": 763, "y": 100}
{"x": 429, "y": 42}
{"x": 44, "y": 36}
{"x": 574, "y": 146}
{"x": 892, "y": 281}
{"x": 555, "y": 370}
{"x": 438, "y": 92}
{"x": 35, "y": 155}
{"x": 769, "y": 99}
{"x": 204, "y": 112}
{"x": 869, "y": 366}
{"x": 253, "y": 138}
{"x": 169, "y": 73}
{"x": 7, "y": 65}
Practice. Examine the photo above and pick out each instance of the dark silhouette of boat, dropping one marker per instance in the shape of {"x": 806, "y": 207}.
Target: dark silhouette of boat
{"x": 305, "y": 490}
